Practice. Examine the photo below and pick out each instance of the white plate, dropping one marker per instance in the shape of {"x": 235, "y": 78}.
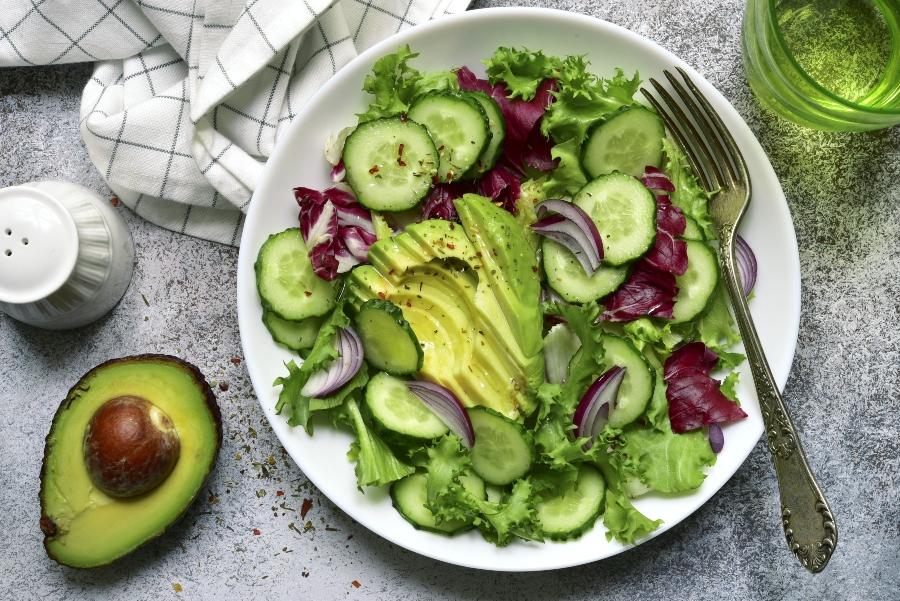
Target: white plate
{"x": 466, "y": 40}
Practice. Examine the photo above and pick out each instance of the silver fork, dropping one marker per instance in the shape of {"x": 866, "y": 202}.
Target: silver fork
{"x": 809, "y": 526}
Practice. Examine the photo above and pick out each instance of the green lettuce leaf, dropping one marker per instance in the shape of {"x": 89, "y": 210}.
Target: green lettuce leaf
{"x": 567, "y": 177}
{"x": 394, "y": 84}
{"x": 729, "y": 386}
{"x": 665, "y": 461}
{"x": 296, "y": 407}
{"x": 716, "y": 329}
{"x": 582, "y": 99}
{"x": 657, "y": 412}
{"x": 688, "y": 196}
{"x": 376, "y": 464}
{"x": 623, "y": 521}
{"x": 586, "y": 366}
{"x": 521, "y": 70}
{"x": 448, "y": 499}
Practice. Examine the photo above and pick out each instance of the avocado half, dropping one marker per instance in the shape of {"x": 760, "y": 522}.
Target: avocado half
{"x": 82, "y": 526}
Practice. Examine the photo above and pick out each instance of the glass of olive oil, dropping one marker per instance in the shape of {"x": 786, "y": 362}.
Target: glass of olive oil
{"x": 826, "y": 64}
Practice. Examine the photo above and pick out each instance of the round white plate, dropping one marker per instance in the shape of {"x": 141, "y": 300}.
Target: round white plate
{"x": 465, "y": 40}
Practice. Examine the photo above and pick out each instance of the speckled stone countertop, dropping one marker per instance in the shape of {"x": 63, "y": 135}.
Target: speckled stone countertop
{"x": 243, "y": 541}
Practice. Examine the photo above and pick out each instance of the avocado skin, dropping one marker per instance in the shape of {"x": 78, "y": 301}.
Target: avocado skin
{"x": 48, "y": 527}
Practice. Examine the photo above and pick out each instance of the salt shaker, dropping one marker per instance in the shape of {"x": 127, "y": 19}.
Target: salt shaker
{"x": 66, "y": 256}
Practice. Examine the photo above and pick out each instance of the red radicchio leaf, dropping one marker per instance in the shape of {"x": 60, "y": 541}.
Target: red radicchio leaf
{"x": 648, "y": 291}
{"x": 439, "y": 204}
{"x": 338, "y": 172}
{"x": 502, "y": 186}
{"x": 695, "y": 399}
{"x": 520, "y": 118}
{"x": 336, "y": 228}
{"x": 668, "y": 253}
{"x": 537, "y": 151}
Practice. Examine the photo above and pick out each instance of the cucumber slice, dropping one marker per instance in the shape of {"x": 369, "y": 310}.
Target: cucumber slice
{"x": 637, "y": 385}
{"x": 566, "y": 275}
{"x": 625, "y": 213}
{"x": 390, "y": 163}
{"x": 285, "y": 280}
{"x": 388, "y": 340}
{"x": 696, "y": 285}
{"x": 459, "y": 128}
{"x": 496, "y": 125}
{"x": 627, "y": 142}
{"x": 410, "y": 495}
{"x": 395, "y": 408}
{"x": 501, "y": 453}
{"x": 692, "y": 230}
{"x": 295, "y": 335}
{"x": 572, "y": 511}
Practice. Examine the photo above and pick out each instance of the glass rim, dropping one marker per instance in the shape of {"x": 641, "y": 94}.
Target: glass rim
{"x": 806, "y": 76}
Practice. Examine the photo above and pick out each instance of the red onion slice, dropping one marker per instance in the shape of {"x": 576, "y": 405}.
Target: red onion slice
{"x": 746, "y": 264}
{"x": 340, "y": 370}
{"x": 716, "y": 438}
{"x": 447, "y": 407}
{"x": 570, "y": 226}
{"x": 596, "y": 404}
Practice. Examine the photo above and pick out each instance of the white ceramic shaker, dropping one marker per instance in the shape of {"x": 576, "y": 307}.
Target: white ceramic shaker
{"x": 66, "y": 255}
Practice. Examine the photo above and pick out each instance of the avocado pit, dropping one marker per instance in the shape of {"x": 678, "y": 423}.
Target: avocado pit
{"x": 130, "y": 447}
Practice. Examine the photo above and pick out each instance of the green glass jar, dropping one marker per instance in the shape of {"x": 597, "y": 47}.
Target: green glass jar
{"x": 825, "y": 64}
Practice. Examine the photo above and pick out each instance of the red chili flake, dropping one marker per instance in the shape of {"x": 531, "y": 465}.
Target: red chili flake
{"x": 307, "y": 293}
{"x": 356, "y": 584}
{"x": 223, "y": 386}
{"x": 373, "y": 170}
{"x": 400, "y": 150}
{"x": 534, "y": 268}
{"x": 279, "y": 493}
{"x": 382, "y": 295}
{"x": 256, "y": 532}
{"x": 236, "y": 360}
{"x": 114, "y": 201}
{"x": 305, "y": 507}
{"x": 451, "y": 246}
{"x": 401, "y": 162}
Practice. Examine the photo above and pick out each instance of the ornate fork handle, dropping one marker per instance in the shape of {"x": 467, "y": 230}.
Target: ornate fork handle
{"x": 808, "y": 523}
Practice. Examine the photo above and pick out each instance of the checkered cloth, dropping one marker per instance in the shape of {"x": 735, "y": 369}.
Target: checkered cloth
{"x": 188, "y": 97}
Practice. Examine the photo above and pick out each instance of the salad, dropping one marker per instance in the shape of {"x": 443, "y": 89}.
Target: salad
{"x": 510, "y": 295}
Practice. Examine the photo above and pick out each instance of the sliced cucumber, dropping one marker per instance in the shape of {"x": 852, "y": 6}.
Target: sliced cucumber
{"x": 285, "y": 280}
{"x": 497, "y": 126}
{"x": 295, "y": 335}
{"x": 568, "y": 513}
{"x": 395, "y": 408}
{"x": 696, "y": 285}
{"x": 388, "y": 340}
{"x": 390, "y": 163}
{"x": 501, "y": 453}
{"x": 625, "y": 213}
{"x": 692, "y": 230}
{"x": 637, "y": 385}
{"x": 566, "y": 275}
{"x": 410, "y": 496}
{"x": 459, "y": 128}
{"x": 627, "y": 142}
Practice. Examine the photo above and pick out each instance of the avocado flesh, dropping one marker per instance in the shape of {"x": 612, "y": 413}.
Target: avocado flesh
{"x": 85, "y": 527}
{"x": 434, "y": 273}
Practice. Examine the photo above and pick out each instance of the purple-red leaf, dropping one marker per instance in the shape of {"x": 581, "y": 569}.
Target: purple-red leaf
{"x": 521, "y": 119}
{"x": 695, "y": 399}
{"x": 336, "y": 228}
{"x": 439, "y": 204}
{"x": 668, "y": 252}
{"x": 502, "y": 186}
{"x": 648, "y": 291}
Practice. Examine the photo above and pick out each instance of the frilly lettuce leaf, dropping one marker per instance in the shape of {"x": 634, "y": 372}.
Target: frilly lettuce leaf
{"x": 521, "y": 70}
{"x": 568, "y": 177}
{"x": 668, "y": 462}
{"x": 395, "y": 84}
{"x": 688, "y": 196}
{"x": 376, "y": 464}
{"x": 582, "y": 99}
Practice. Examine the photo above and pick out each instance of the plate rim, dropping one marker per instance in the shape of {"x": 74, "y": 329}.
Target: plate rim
{"x": 245, "y": 263}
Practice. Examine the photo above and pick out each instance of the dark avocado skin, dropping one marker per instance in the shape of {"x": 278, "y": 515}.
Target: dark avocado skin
{"x": 48, "y": 527}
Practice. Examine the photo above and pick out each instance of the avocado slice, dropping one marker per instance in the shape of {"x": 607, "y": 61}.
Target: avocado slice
{"x": 85, "y": 527}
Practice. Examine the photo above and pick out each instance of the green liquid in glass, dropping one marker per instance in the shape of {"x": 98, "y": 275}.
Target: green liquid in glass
{"x": 845, "y": 45}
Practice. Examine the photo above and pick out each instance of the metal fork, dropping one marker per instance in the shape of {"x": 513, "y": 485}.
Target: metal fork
{"x": 808, "y": 523}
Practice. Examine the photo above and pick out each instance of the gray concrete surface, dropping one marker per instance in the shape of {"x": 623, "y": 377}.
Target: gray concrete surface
{"x": 844, "y": 390}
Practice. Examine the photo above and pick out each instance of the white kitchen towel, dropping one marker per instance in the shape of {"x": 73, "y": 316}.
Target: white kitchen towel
{"x": 188, "y": 97}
